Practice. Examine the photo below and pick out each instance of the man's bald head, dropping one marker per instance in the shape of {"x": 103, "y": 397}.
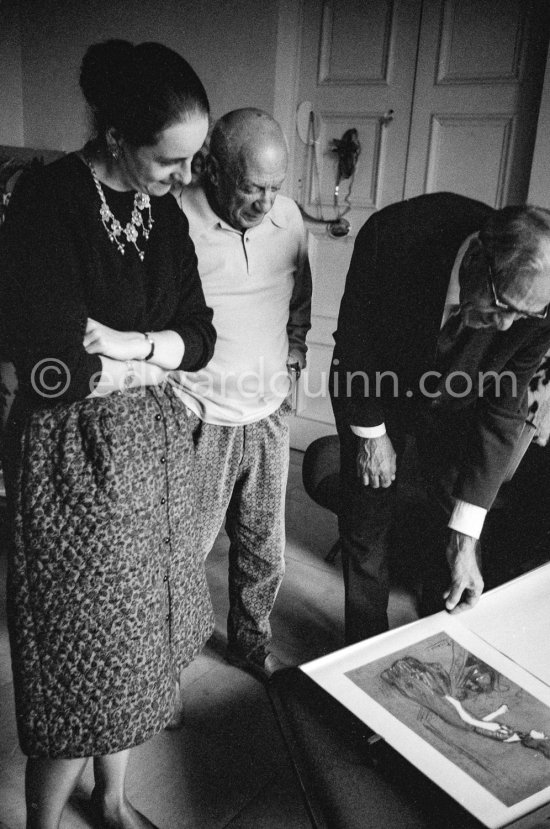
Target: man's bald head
{"x": 244, "y": 134}
{"x": 246, "y": 166}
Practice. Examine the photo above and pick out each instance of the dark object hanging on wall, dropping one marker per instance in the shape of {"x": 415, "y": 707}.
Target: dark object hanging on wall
{"x": 348, "y": 149}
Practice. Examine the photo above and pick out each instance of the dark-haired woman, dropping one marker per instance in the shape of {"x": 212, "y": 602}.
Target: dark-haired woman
{"x": 101, "y": 299}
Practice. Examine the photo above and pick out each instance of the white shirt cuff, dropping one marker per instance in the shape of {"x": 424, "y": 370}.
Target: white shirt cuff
{"x": 467, "y": 518}
{"x": 369, "y": 431}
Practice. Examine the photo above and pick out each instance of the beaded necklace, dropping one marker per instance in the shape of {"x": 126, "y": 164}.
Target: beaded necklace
{"x": 113, "y": 226}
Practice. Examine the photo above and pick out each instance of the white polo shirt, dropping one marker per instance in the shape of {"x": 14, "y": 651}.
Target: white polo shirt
{"x": 248, "y": 278}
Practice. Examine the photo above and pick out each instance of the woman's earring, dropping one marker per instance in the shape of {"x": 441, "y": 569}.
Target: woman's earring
{"x": 114, "y": 151}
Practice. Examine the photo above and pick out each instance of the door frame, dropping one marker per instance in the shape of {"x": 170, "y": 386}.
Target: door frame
{"x": 539, "y": 182}
{"x": 287, "y": 70}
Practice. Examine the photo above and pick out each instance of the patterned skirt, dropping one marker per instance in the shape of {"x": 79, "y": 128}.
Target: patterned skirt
{"x": 107, "y": 595}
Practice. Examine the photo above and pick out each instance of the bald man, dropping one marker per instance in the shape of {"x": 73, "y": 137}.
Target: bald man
{"x": 252, "y": 256}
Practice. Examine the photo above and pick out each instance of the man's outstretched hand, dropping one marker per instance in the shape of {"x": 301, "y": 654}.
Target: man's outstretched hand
{"x": 463, "y": 556}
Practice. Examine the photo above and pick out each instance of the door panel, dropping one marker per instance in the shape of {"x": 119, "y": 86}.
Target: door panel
{"x": 329, "y": 264}
{"x": 469, "y": 48}
{"x": 469, "y": 154}
{"x": 460, "y": 81}
{"x": 478, "y": 81}
{"x": 357, "y": 63}
{"x": 355, "y": 41}
{"x": 364, "y": 193}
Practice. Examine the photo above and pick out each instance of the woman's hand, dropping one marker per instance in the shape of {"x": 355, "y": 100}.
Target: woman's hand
{"x": 121, "y": 375}
{"x": 118, "y": 345}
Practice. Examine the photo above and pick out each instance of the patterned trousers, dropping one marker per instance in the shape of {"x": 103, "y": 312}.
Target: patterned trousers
{"x": 241, "y": 474}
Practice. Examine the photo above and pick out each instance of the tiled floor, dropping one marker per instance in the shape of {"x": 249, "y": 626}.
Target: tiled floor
{"x": 228, "y": 766}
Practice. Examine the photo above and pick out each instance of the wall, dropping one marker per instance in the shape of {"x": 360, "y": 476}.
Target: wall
{"x": 11, "y": 90}
{"x": 230, "y": 43}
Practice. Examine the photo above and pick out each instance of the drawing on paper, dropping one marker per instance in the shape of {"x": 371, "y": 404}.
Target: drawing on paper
{"x": 487, "y": 725}
{"x": 441, "y": 692}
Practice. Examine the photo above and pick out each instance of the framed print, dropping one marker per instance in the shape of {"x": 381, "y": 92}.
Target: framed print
{"x": 467, "y": 716}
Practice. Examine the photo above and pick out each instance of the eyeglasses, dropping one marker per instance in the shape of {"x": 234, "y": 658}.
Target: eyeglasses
{"x": 509, "y": 309}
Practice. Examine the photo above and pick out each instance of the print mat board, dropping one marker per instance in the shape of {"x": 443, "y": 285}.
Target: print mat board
{"x": 515, "y": 619}
{"x": 471, "y": 719}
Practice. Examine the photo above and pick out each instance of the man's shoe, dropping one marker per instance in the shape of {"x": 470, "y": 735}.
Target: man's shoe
{"x": 261, "y": 670}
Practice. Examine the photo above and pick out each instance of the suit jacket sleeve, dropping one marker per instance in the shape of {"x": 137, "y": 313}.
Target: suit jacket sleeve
{"x": 498, "y": 421}
{"x": 356, "y": 350}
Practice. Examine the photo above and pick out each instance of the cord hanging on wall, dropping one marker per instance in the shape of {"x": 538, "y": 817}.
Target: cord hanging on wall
{"x": 348, "y": 149}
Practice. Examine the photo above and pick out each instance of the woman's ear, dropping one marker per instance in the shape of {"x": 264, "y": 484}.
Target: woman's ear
{"x": 113, "y": 140}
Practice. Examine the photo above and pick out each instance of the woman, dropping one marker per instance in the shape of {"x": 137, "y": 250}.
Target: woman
{"x": 101, "y": 299}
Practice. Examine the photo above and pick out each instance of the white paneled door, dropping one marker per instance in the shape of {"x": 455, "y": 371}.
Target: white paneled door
{"x": 444, "y": 96}
{"x": 477, "y": 91}
{"x": 357, "y": 68}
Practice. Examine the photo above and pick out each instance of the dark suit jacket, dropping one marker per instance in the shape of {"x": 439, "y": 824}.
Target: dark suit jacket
{"x": 389, "y": 321}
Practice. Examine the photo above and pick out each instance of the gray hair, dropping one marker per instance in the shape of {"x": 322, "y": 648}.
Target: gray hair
{"x": 517, "y": 241}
